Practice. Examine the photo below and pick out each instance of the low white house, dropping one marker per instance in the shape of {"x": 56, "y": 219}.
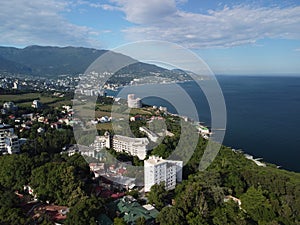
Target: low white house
{"x": 150, "y": 134}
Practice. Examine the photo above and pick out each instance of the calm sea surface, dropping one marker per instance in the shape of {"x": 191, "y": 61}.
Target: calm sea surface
{"x": 263, "y": 113}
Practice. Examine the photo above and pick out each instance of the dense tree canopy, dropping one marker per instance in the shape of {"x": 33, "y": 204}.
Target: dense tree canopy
{"x": 15, "y": 171}
{"x": 58, "y": 183}
{"x": 157, "y": 195}
{"x": 10, "y": 213}
{"x": 85, "y": 211}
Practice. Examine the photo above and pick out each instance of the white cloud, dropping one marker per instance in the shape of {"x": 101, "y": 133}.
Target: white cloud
{"x": 40, "y": 22}
{"x": 107, "y": 7}
{"x": 230, "y": 26}
{"x": 144, "y": 12}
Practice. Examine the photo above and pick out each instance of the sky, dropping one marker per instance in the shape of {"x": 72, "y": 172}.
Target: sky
{"x": 232, "y": 37}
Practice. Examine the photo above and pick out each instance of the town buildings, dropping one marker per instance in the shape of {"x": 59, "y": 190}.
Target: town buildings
{"x": 157, "y": 170}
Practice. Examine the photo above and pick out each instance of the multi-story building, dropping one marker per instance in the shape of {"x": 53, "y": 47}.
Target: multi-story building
{"x": 133, "y": 102}
{"x": 12, "y": 144}
{"x": 133, "y": 146}
{"x": 9, "y": 143}
{"x": 102, "y": 142}
{"x": 5, "y": 130}
{"x": 157, "y": 170}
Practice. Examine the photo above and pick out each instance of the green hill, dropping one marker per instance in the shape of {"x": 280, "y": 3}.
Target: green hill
{"x": 46, "y": 61}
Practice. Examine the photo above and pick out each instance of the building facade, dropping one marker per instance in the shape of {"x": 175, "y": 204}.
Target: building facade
{"x": 12, "y": 144}
{"x": 133, "y": 102}
{"x": 133, "y": 146}
{"x": 9, "y": 143}
{"x": 157, "y": 170}
{"x": 102, "y": 142}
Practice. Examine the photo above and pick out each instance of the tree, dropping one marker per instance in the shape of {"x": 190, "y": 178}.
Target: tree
{"x": 170, "y": 216}
{"x": 85, "y": 211}
{"x": 234, "y": 182}
{"x": 160, "y": 150}
{"x": 157, "y": 195}
{"x": 119, "y": 221}
{"x": 256, "y": 205}
{"x": 58, "y": 183}
{"x": 9, "y": 212}
{"x": 134, "y": 193}
{"x": 15, "y": 171}
{"x": 229, "y": 213}
{"x": 140, "y": 221}
{"x": 12, "y": 216}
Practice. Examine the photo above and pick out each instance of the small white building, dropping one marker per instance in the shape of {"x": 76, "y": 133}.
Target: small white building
{"x": 163, "y": 109}
{"x": 36, "y": 104}
{"x": 133, "y": 146}
{"x": 41, "y": 130}
{"x": 157, "y": 170}
{"x": 150, "y": 134}
{"x": 203, "y": 130}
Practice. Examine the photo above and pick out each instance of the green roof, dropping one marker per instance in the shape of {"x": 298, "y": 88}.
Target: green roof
{"x": 130, "y": 210}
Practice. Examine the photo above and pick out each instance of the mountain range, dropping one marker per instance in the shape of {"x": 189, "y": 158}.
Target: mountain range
{"x": 47, "y": 61}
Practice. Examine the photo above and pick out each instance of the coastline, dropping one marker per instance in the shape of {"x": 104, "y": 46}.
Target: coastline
{"x": 255, "y": 152}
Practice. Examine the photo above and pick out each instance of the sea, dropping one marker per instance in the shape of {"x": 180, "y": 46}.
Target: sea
{"x": 263, "y": 113}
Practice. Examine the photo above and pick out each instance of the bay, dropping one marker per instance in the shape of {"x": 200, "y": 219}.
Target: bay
{"x": 263, "y": 113}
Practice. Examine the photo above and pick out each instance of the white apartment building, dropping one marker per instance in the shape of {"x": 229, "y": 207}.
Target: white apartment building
{"x": 133, "y": 146}
{"x": 9, "y": 143}
{"x": 157, "y": 170}
{"x": 102, "y": 142}
{"x": 133, "y": 102}
{"x": 5, "y": 130}
{"x": 12, "y": 144}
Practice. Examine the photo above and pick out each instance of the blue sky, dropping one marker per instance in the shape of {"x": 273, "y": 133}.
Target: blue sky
{"x": 232, "y": 37}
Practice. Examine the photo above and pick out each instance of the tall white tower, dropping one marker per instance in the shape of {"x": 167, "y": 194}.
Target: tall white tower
{"x": 133, "y": 102}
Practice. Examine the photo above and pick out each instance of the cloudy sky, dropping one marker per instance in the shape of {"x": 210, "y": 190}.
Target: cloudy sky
{"x": 232, "y": 37}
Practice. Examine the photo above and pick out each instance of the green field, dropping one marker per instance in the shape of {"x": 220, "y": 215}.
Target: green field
{"x": 25, "y": 100}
